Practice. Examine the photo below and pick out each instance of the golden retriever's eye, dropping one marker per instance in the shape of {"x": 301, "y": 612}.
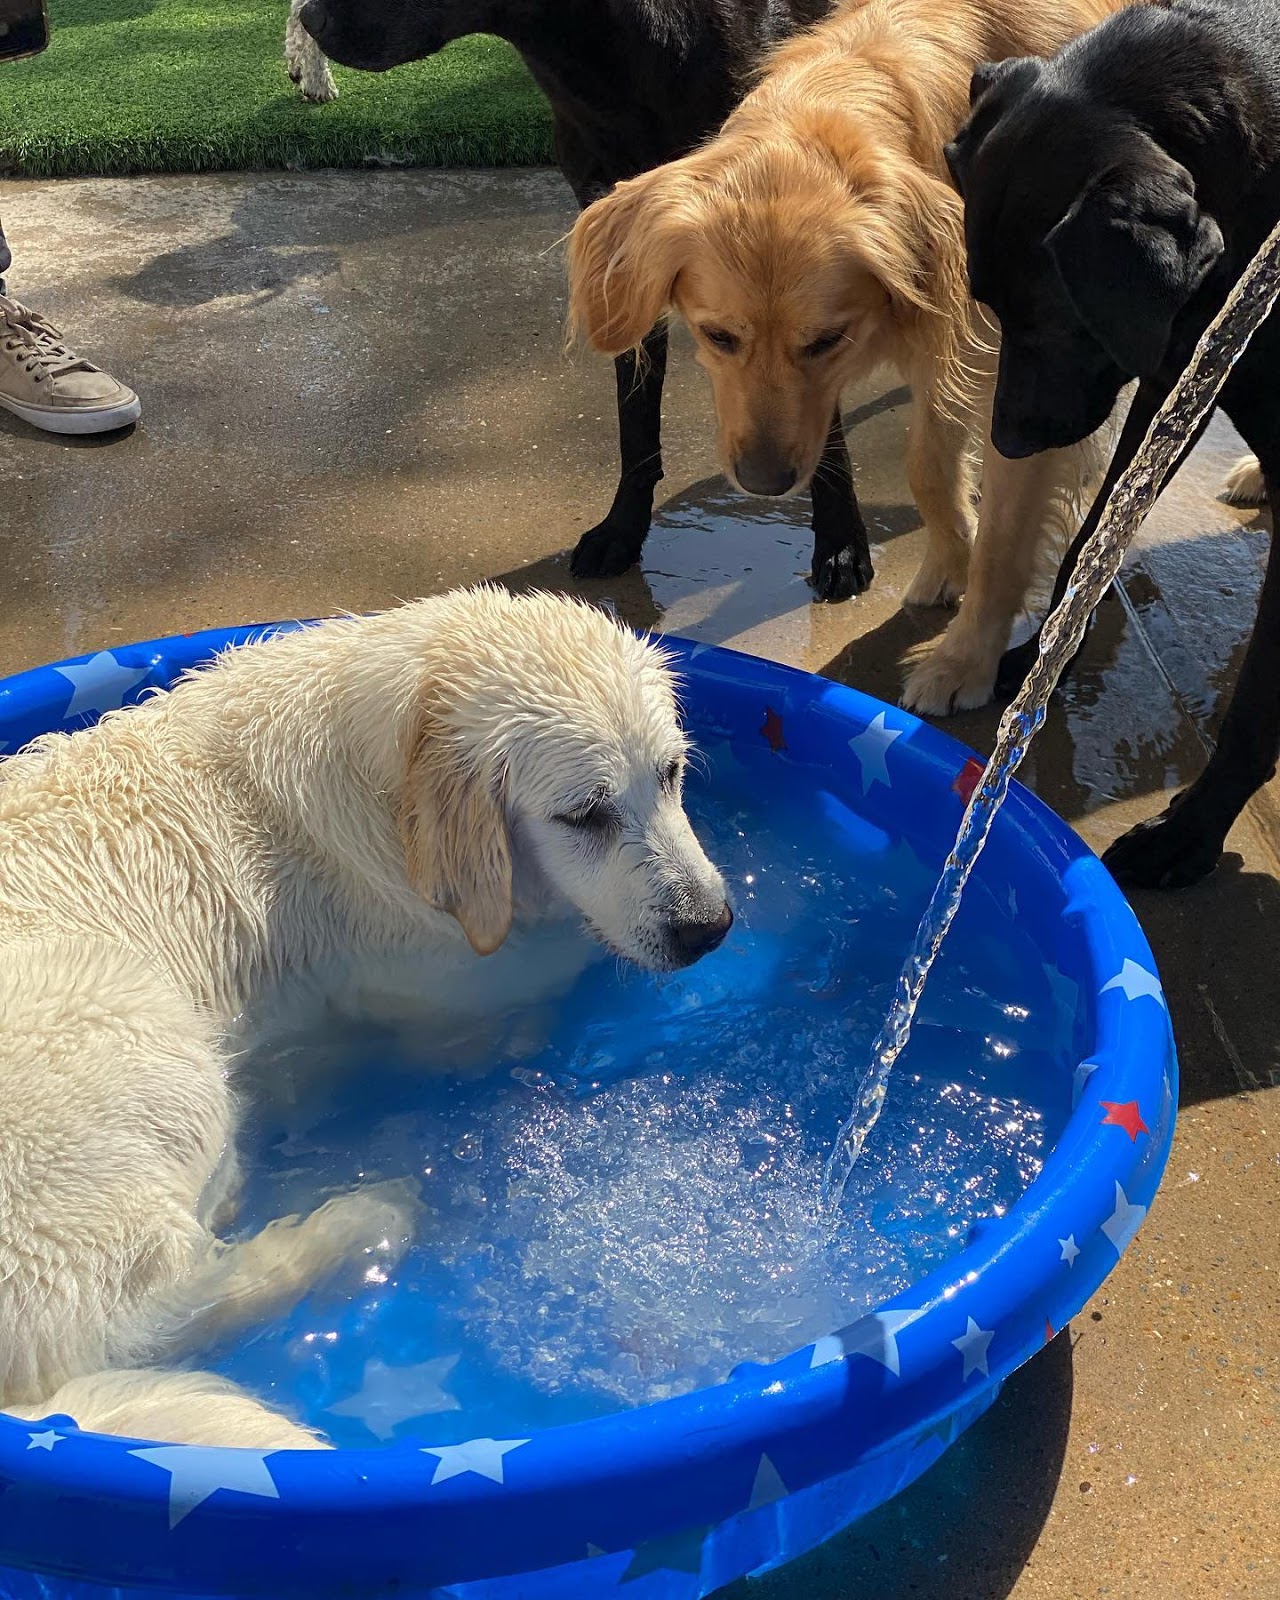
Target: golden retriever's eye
{"x": 669, "y": 776}
{"x": 825, "y": 342}
{"x": 722, "y": 339}
{"x": 598, "y": 816}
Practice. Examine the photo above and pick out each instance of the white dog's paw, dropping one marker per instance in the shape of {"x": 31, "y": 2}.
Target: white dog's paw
{"x": 381, "y": 1217}
{"x": 316, "y": 83}
{"x": 941, "y": 579}
{"x": 1244, "y": 485}
{"x": 307, "y": 64}
{"x": 951, "y": 678}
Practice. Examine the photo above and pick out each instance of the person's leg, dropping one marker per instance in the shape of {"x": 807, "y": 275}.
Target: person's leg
{"x": 48, "y": 385}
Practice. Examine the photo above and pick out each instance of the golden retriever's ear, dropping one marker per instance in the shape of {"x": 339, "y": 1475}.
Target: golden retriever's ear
{"x": 913, "y": 236}
{"x": 457, "y": 849}
{"x": 625, "y": 253}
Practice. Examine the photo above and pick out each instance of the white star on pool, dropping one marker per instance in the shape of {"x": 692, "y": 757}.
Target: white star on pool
{"x": 1123, "y": 1222}
{"x": 870, "y": 748}
{"x": 1135, "y": 981}
{"x": 484, "y": 1457}
{"x": 973, "y": 1345}
{"x": 875, "y": 1335}
{"x": 1070, "y": 1249}
{"x": 1083, "y": 1073}
{"x": 99, "y": 684}
{"x": 389, "y": 1396}
{"x": 196, "y": 1472}
{"x": 768, "y": 1487}
{"x": 44, "y": 1441}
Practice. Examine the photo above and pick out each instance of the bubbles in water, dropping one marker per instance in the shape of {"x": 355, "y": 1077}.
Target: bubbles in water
{"x": 469, "y": 1148}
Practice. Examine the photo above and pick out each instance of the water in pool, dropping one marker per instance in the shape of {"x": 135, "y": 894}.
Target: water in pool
{"x": 627, "y": 1202}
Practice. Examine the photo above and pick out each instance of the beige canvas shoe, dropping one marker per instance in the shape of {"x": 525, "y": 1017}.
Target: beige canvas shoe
{"x": 51, "y": 387}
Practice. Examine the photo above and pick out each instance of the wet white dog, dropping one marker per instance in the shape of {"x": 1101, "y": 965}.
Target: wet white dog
{"x": 421, "y": 787}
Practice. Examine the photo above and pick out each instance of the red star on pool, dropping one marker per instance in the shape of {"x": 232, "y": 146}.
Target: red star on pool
{"x": 966, "y": 780}
{"x": 771, "y": 729}
{"x": 1048, "y": 1331}
{"x": 1124, "y": 1114}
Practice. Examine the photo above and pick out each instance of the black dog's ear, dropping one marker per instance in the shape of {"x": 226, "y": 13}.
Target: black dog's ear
{"x": 1131, "y": 252}
{"x": 988, "y": 73}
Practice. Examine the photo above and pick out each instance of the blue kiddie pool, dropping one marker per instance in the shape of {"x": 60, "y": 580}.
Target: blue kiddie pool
{"x": 628, "y": 1355}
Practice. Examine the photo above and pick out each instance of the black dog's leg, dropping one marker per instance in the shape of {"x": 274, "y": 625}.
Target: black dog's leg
{"x": 841, "y": 551}
{"x": 1016, "y": 663}
{"x": 1184, "y": 844}
{"x": 615, "y": 544}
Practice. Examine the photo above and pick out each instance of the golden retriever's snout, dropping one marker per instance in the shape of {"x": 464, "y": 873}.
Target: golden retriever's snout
{"x": 693, "y": 940}
{"x": 762, "y": 470}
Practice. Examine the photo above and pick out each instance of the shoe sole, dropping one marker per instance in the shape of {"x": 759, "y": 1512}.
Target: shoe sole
{"x": 59, "y": 419}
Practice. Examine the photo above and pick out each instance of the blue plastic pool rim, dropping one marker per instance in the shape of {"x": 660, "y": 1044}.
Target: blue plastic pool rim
{"x": 614, "y": 1482}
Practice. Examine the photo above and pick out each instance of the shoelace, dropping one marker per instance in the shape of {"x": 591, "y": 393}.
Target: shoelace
{"x": 37, "y": 343}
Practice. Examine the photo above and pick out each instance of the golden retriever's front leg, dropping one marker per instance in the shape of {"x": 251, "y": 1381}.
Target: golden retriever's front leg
{"x": 940, "y": 473}
{"x": 1018, "y": 498}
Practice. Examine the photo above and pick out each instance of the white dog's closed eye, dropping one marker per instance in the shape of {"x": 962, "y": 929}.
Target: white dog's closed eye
{"x": 621, "y": 850}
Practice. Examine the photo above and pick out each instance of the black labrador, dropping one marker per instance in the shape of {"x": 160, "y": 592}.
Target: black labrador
{"x": 1113, "y": 195}
{"x": 632, "y": 84}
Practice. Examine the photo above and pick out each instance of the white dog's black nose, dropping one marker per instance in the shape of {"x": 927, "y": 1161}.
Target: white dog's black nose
{"x": 696, "y": 939}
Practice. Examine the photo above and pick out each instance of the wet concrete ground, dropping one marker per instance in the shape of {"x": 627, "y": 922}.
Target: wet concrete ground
{"x": 354, "y": 391}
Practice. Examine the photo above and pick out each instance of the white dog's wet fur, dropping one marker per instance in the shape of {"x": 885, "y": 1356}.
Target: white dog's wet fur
{"x": 442, "y": 791}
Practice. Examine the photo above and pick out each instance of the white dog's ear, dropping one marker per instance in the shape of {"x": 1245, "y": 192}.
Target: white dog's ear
{"x": 457, "y": 848}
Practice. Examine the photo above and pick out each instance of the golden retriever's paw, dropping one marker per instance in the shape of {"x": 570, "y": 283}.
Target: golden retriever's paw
{"x": 950, "y": 680}
{"x": 1244, "y": 485}
{"x": 940, "y": 581}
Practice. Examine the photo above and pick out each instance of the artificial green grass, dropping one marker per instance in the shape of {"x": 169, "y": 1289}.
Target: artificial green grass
{"x": 132, "y": 86}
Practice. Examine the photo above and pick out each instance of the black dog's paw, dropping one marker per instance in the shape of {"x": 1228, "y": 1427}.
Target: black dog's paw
{"x": 1168, "y": 852}
{"x": 605, "y": 551}
{"x": 1015, "y": 664}
{"x": 841, "y": 574}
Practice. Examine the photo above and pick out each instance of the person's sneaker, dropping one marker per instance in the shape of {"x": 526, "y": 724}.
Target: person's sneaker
{"x": 51, "y": 387}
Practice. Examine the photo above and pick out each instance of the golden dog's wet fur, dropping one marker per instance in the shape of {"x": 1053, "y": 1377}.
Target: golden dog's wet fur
{"x": 818, "y": 237}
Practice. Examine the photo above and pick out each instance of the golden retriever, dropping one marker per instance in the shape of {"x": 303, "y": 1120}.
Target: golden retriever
{"x": 422, "y": 787}
{"x": 817, "y": 238}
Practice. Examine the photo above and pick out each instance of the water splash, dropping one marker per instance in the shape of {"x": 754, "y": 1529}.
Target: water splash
{"x": 1223, "y": 343}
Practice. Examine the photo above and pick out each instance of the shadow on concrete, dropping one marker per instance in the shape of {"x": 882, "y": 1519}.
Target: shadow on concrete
{"x": 1215, "y": 948}
{"x": 9, "y": 424}
{"x": 219, "y": 269}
